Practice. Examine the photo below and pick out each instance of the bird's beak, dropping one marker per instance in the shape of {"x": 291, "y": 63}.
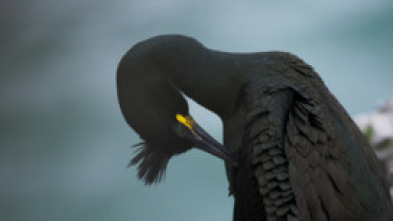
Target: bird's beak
{"x": 204, "y": 141}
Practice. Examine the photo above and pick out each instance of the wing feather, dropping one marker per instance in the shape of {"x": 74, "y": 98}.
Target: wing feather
{"x": 310, "y": 161}
{"x": 301, "y": 159}
{"x": 265, "y": 129}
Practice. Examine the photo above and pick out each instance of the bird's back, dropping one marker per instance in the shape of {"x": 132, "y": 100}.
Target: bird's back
{"x": 309, "y": 159}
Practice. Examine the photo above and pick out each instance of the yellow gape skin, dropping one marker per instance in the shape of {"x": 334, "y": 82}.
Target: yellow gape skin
{"x": 187, "y": 121}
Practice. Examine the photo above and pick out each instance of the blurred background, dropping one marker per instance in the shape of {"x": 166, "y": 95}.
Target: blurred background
{"x": 64, "y": 145}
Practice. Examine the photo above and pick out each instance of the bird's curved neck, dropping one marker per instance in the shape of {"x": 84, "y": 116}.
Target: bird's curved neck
{"x": 213, "y": 79}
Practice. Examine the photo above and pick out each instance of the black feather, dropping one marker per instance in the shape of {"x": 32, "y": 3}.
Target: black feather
{"x": 151, "y": 162}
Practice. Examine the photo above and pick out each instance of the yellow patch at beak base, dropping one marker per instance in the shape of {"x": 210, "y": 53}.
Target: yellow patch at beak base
{"x": 187, "y": 121}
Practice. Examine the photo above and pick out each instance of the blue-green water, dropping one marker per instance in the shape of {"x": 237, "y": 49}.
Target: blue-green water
{"x": 64, "y": 145}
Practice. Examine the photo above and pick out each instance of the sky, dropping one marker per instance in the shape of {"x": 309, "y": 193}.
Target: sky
{"x": 64, "y": 145}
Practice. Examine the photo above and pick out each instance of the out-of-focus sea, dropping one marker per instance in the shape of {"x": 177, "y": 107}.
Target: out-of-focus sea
{"x": 64, "y": 145}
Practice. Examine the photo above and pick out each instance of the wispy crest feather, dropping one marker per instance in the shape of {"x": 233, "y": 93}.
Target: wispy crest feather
{"x": 152, "y": 162}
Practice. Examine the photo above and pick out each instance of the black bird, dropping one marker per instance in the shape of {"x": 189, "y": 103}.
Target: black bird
{"x": 291, "y": 150}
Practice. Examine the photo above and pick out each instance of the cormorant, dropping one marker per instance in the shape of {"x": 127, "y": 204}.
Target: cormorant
{"x": 291, "y": 150}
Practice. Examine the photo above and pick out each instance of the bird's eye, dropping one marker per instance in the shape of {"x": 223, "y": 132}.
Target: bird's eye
{"x": 180, "y": 130}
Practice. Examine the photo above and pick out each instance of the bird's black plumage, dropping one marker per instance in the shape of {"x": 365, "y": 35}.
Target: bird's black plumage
{"x": 295, "y": 152}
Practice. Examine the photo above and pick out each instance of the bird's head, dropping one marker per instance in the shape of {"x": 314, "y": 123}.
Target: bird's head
{"x": 156, "y": 109}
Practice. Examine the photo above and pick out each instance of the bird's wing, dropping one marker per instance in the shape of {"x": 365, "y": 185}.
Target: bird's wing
{"x": 264, "y": 140}
{"x": 319, "y": 166}
{"x": 303, "y": 167}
